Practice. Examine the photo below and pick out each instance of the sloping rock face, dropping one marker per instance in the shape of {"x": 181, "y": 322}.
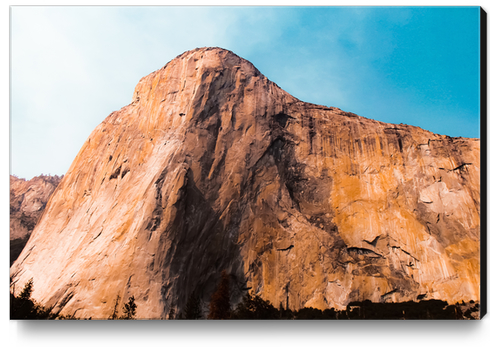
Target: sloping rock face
{"x": 213, "y": 167}
{"x": 28, "y": 198}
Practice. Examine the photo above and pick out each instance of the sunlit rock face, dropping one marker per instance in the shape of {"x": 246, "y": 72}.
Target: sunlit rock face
{"x": 213, "y": 167}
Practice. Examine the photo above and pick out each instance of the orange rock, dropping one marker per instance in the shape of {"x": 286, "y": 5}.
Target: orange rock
{"x": 213, "y": 167}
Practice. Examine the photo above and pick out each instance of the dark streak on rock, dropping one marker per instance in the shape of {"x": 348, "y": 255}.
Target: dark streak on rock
{"x": 285, "y": 249}
{"x": 460, "y": 167}
{"x": 389, "y": 293}
{"x": 363, "y": 251}
{"x": 126, "y": 170}
{"x": 373, "y": 242}
{"x": 116, "y": 173}
{"x": 157, "y": 212}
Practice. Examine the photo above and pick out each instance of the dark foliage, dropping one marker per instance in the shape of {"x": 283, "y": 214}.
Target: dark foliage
{"x": 171, "y": 314}
{"x": 309, "y": 313}
{"x": 254, "y": 307}
{"x": 219, "y": 307}
{"x": 23, "y": 307}
{"x": 113, "y": 315}
{"x": 285, "y": 314}
{"x": 129, "y": 309}
{"x": 192, "y": 308}
{"x": 425, "y": 309}
{"x": 26, "y": 293}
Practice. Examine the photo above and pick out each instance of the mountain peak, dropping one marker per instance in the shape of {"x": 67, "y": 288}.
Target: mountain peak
{"x": 212, "y": 53}
{"x": 214, "y": 72}
{"x": 216, "y": 50}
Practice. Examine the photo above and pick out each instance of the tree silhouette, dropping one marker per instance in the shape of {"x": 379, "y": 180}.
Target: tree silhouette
{"x": 171, "y": 314}
{"x": 192, "y": 308}
{"x": 23, "y": 307}
{"x": 27, "y": 291}
{"x": 219, "y": 307}
{"x": 114, "y": 312}
{"x": 129, "y": 309}
{"x": 254, "y": 307}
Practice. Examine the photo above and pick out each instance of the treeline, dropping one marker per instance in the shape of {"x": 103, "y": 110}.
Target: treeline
{"x": 254, "y": 307}
{"x": 23, "y": 307}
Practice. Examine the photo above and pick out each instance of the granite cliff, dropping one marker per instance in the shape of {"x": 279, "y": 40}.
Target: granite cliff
{"x": 28, "y": 198}
{"x": 213, "y": 167}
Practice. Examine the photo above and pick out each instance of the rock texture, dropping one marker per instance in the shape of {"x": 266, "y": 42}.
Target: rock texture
{"x": 28, "y": 198}
{"x": 213, "y": 167}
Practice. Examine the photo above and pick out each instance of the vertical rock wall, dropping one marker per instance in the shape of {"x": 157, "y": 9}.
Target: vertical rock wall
{"x": 213, "y": 167}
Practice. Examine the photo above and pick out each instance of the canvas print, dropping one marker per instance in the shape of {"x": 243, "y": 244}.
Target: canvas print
{"x": 199, "y": 174}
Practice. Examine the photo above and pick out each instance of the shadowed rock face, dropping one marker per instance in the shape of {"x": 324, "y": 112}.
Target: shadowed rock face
{"x": 213, "y": 167}
{"x": 28, "y": 198}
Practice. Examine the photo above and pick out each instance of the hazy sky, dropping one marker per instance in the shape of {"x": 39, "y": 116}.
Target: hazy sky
{"x": 72, "y": 66}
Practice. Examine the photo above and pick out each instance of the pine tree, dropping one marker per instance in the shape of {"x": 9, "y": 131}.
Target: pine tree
{"x": 114, "y": 312}
{"x": 171, "y": 314}
{"x": 193, "y": 307}
{"x": 254, "y": 307}
{"x": 219, "y": 307}
{"x": 23, "y": 307}
{"x": 129, "y": 309}
{"x": 27, "y": 291}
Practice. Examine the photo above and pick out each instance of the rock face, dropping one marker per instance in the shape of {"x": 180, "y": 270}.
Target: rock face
{"x": 213, "y": 167}
{"x": 27, "y": 202}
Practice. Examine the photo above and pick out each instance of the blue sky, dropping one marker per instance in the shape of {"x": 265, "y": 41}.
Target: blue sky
{"x": 72, "y": 66}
